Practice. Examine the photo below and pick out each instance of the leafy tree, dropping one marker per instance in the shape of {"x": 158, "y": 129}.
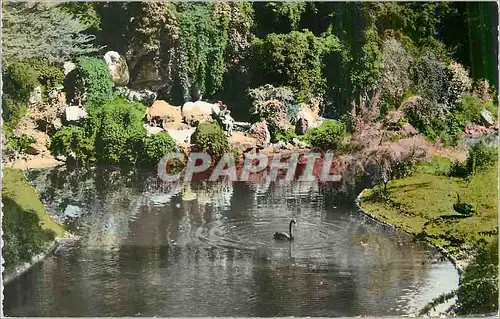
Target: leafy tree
{"x": 41, "y": 31}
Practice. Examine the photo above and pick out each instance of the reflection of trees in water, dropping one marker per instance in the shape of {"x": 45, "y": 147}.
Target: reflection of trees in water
{"x": 285, "y": 289}
{"x": 144, "y": 231}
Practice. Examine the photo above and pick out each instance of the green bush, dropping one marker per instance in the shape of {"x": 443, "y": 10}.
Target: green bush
{"x": 48, "y": 75}
{"x": 479, "y": 283}
{"x": 20, "y": 79}
{"x": 209, "y": 137}
{"x": 92, "y": 76}
{"x": 12, "y": 110}
{"x": 328, "y": 136}
{"x": 480, "y": 156}
{"x": 155, "y": 147}
{"x": 120, "y": 121}
{"x": 282, "y": 135}
{"x": 21, "y": 143}
{"x": 296, "y": 60}
{"x": 114, "y": 135}
{"x": 73, "y": 142}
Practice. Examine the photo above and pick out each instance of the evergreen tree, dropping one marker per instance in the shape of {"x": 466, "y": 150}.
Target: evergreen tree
{"x": 42, "y": 31}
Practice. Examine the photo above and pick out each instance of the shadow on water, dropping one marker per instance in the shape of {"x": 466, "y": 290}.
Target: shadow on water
{"x": 206, "y": 249}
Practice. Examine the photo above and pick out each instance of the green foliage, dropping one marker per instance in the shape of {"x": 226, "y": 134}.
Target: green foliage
{"x": 328, "y": 136}
{"x": 114, "y": 135}
{"x": 210, "y": 138}
{"x": 12, "y": 110}
{"x": 48, "y": 75}
{"x": 279, "y": 17}
{"x": 478, "y": 292}
{"x": 295, "y": 60}
{"x": 155, "y": 147}
{"x": 91, "y": 76}
{"x": 85, "y": 13}
{"x": 204, "y": 39}
{"x": 120, "y": 121}
{"x": 284, "y": 136}
{"x": 41, "y": 31}
{"x": 74, "y": 143}
{"x": 481, "y": 156}
{"x": 471, "y": 108}
{"x": 21, "y": 143}
{"x": 20, "y": 79}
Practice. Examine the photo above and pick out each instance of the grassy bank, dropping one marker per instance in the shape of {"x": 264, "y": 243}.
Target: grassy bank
{"x": 422, "y": 204}
{"x": 27, "y": 228}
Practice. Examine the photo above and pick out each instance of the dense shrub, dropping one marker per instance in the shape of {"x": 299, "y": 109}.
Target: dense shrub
{"x": 74, "y": 143}
{"x": 120, "y": 121}
{"x": 471, "y": 107}
{"x": 155, "y": 147}
{"x": 209, "y": 137}
{"x": 48, "y": 75}
{"x": 90, "y": 79}
{"x": 112, "y": 135}
{"x": 479, "y": 157}
{"x": 479, "y": 283}
{"x": 328, "y": 136}
{"x": 19, "y": 80}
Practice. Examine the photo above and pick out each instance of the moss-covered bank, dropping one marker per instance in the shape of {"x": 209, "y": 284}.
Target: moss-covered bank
{"x": 29, "y": 232}
{"x": 422, "y": 204}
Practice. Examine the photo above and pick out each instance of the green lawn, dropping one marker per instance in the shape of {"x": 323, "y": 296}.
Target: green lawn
{"x": 27, "y": 227}
{"x": 423, "y": 204}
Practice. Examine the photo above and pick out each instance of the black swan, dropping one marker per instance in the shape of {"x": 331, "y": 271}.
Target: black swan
{"x": 283, "y": 236}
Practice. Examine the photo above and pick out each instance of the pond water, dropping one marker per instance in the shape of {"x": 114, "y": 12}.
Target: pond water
{"x": 199, "y": 249}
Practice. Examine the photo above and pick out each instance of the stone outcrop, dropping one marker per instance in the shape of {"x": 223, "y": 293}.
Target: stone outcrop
{"x": 487, "y": 118}
{"x": 261, "y": 132}
{"x": 195, "y": 112}
{"x": 164, "y": 115}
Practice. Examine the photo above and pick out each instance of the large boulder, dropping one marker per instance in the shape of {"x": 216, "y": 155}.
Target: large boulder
{"x": 241, "y": 142}
{"x": 68, "y": 66}
{"x": 487, "y": 118}
{"x": 118, "y": 68}
{"x": 163, "y": 114}
{"x": 195, "y": 112}
{"x": 261, "y": 132}
{"x": 74, "y": 113}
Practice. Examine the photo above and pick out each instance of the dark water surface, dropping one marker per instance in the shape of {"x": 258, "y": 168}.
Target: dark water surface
{"x": 208, "y": 250}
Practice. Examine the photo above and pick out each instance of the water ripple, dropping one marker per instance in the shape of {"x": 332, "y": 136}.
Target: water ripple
{"x": 257, "y": 234}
